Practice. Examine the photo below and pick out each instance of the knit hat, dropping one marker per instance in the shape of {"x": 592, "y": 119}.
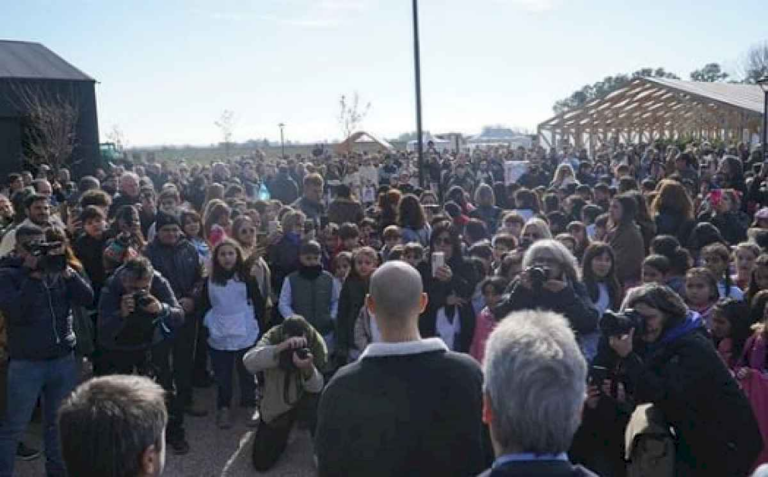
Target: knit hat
{"x": 762, "y": 214}
{"x": 163, "y": 218}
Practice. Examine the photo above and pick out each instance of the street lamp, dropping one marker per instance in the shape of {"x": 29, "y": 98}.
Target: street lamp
{"x": 282, "y": 139}
{"x": 417, "y": 67}
{"x": 763, "y": 82}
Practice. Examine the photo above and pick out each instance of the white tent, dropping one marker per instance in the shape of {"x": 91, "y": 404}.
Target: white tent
{"x": 440, "y": 144}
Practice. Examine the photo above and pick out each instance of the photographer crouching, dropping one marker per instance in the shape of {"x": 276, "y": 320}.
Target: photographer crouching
{"x": 37, "y": 293}
{"x": 290, "y": 356}
{"x": 668, "y": 360}
{"x": 137, "y": 311}
{"x": 550, "y": 281}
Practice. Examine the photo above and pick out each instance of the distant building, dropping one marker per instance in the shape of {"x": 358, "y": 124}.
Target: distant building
{"x": 32, "y": 69}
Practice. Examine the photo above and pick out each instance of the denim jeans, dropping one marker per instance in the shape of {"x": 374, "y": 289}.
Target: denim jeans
{"x": 27, "y": 380}
{"x": 224, "y": 363}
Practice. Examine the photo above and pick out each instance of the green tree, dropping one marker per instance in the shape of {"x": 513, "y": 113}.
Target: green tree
{"x": 608, "y": 85}
{"x": 710, "y": 73}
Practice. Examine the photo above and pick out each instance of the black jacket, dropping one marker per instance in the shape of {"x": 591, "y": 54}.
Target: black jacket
{"x": 39, "y": 315}
{"x": 549, "y": 468}
{"x": 462, "y": 283}
{"x": 180, "y": 264}
{"x": 415, "y": 414}
{"x": 669, "y": 223}
{"x": 117, "y": 333}
{"x": 283, "y": 188}
{"x": 573, "y": 302}
{"x": 713, "y": 420}
{"x": 351, "y": 301}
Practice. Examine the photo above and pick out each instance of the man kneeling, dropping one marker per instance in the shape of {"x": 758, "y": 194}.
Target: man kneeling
{"x": 114, "y": 426}
{"x": 289, "y": 355}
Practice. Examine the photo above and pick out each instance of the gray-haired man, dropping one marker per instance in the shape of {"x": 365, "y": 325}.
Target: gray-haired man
{"x": 535, "y": 384}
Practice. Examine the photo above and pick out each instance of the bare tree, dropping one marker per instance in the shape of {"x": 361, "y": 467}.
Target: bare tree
{"x": 117, "y": 137}
{"x": 226, "y": 123}
{"x": 351, "y": 115}
{"x": 754, "y": 65}
{"x": 50, "y": 121}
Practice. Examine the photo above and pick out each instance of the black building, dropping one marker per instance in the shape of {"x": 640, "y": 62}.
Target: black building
{"x": 30, "y": 70}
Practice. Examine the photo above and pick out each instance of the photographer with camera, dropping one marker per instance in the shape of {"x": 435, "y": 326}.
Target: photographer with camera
{"x": 550, "y": 281}
{"x": 670, "y": 362}
{"x": 37, "y": 293}
{"x": 290, "y": 356}
{"x": 137, "y": 312}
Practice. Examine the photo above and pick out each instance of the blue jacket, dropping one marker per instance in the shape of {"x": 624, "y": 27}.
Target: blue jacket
{"x": 112, "y": 327}
{"x": 39, "y": 314}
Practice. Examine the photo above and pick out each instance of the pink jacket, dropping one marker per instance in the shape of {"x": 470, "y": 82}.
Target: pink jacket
{"x": 484, "y": 324}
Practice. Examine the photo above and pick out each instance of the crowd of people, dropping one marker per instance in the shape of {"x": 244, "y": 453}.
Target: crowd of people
{"x": 650, "y": 260}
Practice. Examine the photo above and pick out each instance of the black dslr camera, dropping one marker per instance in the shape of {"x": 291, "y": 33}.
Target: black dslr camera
{"x": 292, "y": 329}
{"x": 537, "y": 276}
{"x": 142, "y": 299}
{"x": 48, "y": 262}
{"x": 621, "y": 323}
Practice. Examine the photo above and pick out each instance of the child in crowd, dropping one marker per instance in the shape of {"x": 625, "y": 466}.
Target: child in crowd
{"x": 502, "y": 243}
{"x": 589, "y": 214}
{"x": 312, "y": 293}
{"x": 350, "y": 237}
{"x": 744, "y": 256}
{"x": 730, "y": 329}
{"x": 340, "y": 267}
{"x": 368, "y": 237}
{"x": 599, "y": 276}
{"x": 717, "y": 258}
{"x": 89, "y": 247}
{"x": 234, "y": 315}
{"x": 569, "y": 241}
{"x": 351, "y": 305}
{"x": 392, "y": 236}
{"x": 512, "y": 223}
{"x": 701, "y": 292}
{"x": 655, "y": 269}
{"x": 601, "y": 228}
{"x": 397, "y": 253}
{"x": 492, "y": 289}
{"x": 192, "y": 226}
{"x": 579, "y": 233}
{"x": 759, "y": 279}
{"x": 754, "y": 358}
{"x": 511, "y": 265}
{"x": 329, "y": 238}
{"x": 413, "y": 254}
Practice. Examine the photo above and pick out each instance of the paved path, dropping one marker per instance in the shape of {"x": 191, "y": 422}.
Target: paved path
{"x": 214, "y": 452}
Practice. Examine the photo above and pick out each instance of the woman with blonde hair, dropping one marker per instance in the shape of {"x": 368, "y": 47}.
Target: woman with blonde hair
{"x": 564, "y": 175}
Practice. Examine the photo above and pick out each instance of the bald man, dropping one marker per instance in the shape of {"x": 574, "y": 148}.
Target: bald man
{"x": 409, "y": 406}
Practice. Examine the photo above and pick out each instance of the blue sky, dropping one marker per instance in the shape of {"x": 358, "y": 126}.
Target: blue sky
{"x": 168, "y": 68}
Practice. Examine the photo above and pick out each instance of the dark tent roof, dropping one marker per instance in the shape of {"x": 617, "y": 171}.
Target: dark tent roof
{"x": 25, "y": 60}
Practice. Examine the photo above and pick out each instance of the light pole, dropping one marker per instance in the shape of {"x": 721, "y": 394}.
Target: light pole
{"x": 763, "y": 82}
{"x": 282, "y": 140}
{"x": 417, "y": 67}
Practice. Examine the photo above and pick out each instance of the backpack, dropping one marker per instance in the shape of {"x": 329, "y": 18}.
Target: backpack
{"x": 650, "y": 446}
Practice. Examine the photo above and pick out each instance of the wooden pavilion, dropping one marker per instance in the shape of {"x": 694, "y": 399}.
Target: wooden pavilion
{"x": 651, "y": 108}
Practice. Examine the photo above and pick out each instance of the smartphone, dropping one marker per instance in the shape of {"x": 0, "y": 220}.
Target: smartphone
{"x": 597, "y": 374}
{"x": 438, "y": 260}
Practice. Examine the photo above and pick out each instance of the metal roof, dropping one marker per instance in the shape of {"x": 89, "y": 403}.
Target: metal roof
{"x": 745, "y": 96}
{"x": 26, "y": 60}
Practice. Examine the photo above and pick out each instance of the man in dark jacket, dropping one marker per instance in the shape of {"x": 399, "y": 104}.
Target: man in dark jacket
{"x": 408, "y": 406}
{"x": 37, "y": 300}
{"x": 535, "y": 382}
{"x": 311, "y": 202}
{"x": 176, "y": 258}
{"x": 138, "y": 310}
{"x": 282, "y": 187}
